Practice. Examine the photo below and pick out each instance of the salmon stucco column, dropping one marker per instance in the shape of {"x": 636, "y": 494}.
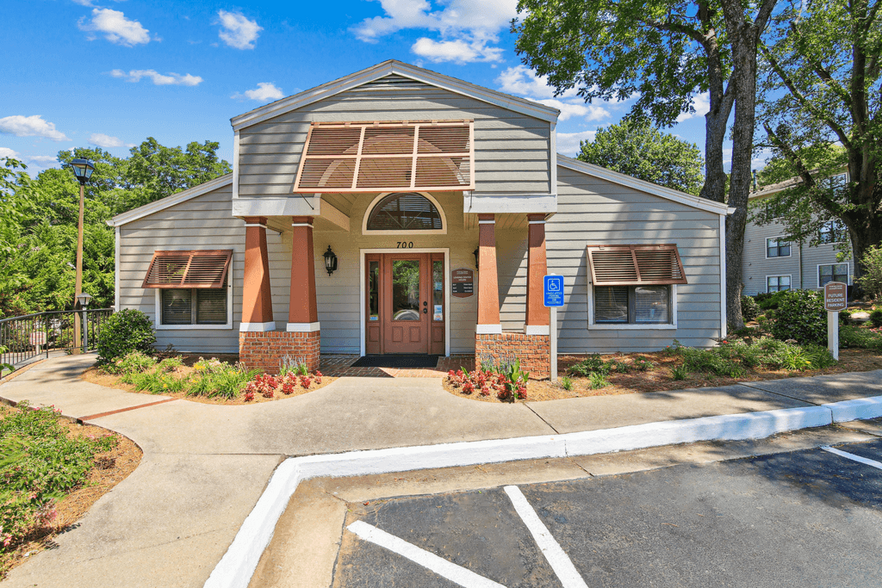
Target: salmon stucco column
{"x": 537, "y": 313}
{"x": 302, "y": 309}
{"x": 488, "y": 289}
{"x": 257, "y": 299}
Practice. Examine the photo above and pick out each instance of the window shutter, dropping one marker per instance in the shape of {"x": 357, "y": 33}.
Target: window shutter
{"x": 387, "y": 156}
{"x": 629, "y": 265}
{"x": 188, "y": 269}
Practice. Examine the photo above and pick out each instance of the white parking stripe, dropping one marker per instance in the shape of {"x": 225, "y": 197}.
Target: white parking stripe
{"x": 442, "y": 567}
{"x": 853, "y": 457}
{"x": 560, "y": 561}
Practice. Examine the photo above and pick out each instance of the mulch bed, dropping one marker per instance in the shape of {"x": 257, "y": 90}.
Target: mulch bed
{"x": 94, "y": 375}
{"x": 659, "y": 379}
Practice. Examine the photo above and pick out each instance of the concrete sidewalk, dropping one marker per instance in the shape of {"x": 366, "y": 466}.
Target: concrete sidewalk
{"x": 205, "y": 466}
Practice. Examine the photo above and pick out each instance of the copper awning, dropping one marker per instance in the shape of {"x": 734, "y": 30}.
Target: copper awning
{"x": 188, "y": 269}
{"x": 387, "y": 156}
{"x": 627, "y": 265}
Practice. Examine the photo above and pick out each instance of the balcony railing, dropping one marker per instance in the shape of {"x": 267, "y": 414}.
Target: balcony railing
{"x": 32, "y": 336}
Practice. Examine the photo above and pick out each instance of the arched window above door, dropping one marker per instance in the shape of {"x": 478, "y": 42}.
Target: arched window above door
{"x": 405, "y": 211}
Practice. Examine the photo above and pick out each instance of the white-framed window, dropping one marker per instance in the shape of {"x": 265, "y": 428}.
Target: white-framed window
{"x": 777, "y": 283}
{"x": 832, "y": 231}
{"x": 634, "y": 286}
{"x": 776, "y": 247}
{"x": 832, "y": 272}
{"x": 193, "y": 289}
{"x": 404, "y": 213}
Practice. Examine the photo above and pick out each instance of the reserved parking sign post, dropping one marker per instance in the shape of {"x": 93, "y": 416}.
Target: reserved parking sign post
{"x": 835, "y": 299}
{"x": 553, "y": 298}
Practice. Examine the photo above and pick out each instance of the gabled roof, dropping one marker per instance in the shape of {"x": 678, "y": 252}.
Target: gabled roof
{"x": 648, "y": 187}
{"x": 393, "y": 67}
{"x": 169, "y": 201}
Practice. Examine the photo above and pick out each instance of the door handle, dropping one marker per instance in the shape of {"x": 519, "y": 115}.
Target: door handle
{"x": 425, "y": 311}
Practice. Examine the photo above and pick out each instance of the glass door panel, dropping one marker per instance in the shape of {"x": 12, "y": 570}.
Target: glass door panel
{"x": 405, "y": 290}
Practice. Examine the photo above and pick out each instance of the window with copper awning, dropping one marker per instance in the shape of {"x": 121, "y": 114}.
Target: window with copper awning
{"x": 633, "y": 284}
{"x": 387, "y": 156}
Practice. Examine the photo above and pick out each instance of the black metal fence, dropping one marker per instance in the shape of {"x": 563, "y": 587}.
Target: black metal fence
{"x": 26, "y": 338}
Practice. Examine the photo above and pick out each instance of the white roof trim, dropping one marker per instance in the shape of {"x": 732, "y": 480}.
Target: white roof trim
{"x": 391, "y": 67}
{"x": 648, "y": 187}
{"x": 169, "y": 201}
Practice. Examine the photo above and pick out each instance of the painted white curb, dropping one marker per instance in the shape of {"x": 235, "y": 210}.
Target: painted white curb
{"x": 853, "y": 410}
{"x": 239, "y": 562}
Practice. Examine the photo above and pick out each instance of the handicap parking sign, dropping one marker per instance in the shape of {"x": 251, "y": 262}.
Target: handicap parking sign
{"x": 553, "y": 290}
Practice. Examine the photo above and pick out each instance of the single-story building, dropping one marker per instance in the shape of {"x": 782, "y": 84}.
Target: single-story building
{"x": 398, "y": 210}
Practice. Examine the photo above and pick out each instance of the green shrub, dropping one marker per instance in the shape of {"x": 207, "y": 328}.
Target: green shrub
{"x": 597, "y": 380}
{"x": 800, "y": 316}
{"x": 642, "y": 364}
{"x": 591, "y": 364}
{"x": 129, "y": 364}
{"x": 215, "y": 378}
{"x": 876, "y": 318}
{"x": 710, "y": 361}
{"x": 39, "y": 464}
{"x": 749, "y": 308}
{"x": 125, "y": 331}
{"x": 844, "y": 316}
{"x": 566, "y": 383}
{"x": 769, "y": 300}
{"x": 679, "y": 372}
{"x": 871, "y": 281}
{"x": 859, "y": 338}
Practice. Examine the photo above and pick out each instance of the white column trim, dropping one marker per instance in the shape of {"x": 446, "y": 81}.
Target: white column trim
{"x": 116, "y": 280}
{"x": 537, "y": 330}
{"x": 302, "y": 225}
{"x": 488, "y": 329}
{"x": 484, "y": 221}
{"x": 255, "y": 225}
{"x": 235, "y": 165}
{"x": 723, "y": 276}
{"x": 303, "y": 327}
{"x": 257, "y": 327}
{"x": 536, "y": 222}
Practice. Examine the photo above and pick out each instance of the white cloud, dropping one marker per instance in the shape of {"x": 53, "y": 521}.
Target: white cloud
{"x": 523, "y": 81}
{"x": 458, "y": 51}
{"x": 115, "y": 27}
{"x": 701, "y": 104}
{"x": 7, "y": 152}
{"x": 43, "y": 159}
{"x": 237, "y": 31}
{"x": 105, "y": 141}
{"x": 31, "y": 126}
{"x": 578, "y": 108}
{"x": 570, "y": 143}
{"x": 467, "y": 27}
{"x": 264, "y": 92}
{"x": 158, "y": 79}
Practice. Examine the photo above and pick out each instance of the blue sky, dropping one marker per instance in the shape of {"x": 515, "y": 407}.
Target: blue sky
{"x": 111, "y": 73}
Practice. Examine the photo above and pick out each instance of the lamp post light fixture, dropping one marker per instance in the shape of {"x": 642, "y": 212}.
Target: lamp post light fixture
{"x": 83, "y": 169}
{"x": 477, "y": 254}
{"x": 330, "y": 261}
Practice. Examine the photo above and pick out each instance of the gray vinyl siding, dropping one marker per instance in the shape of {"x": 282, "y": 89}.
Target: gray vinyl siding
{"x": 594, "y": 211}
{"x": 201, "y": 223}
{"x": 801, "y": 266}
{"x": 512, "y": 151}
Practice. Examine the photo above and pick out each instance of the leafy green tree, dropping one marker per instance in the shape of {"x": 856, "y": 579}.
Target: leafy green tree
{"x": 38, "y": 218}
{"x": 663, "y": 53}
{"x": 640, "y": 150}
{"x": 821, "y": 75}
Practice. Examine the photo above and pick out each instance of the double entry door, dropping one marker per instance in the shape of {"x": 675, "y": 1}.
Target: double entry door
{"x": 404, "y": 306}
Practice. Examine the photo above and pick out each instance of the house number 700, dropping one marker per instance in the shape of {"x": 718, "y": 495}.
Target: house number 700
{"x": 405, "y": 244}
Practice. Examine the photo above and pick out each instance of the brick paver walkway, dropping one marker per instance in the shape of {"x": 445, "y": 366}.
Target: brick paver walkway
{"x": 341, "y": 365}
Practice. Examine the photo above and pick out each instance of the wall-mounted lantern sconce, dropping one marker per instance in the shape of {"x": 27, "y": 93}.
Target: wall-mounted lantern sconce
{"x": 330, "y": 261}
{"x": 477, "y": 253}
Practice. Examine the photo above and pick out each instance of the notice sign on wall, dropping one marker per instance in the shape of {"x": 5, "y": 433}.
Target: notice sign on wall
{"x": 835, "y": 296}
{"x": 462, "y": 283}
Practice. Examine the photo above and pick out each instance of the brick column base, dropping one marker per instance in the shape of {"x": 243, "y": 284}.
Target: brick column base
{"x": 533, "y": 351}
{"x": 266, "y": 350}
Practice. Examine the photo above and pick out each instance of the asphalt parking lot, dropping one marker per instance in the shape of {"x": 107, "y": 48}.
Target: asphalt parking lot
{"x": 804, "y": 518}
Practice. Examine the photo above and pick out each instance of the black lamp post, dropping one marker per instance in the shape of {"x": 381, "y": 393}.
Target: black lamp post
{"x": 330, "y": 261}
{"x": 83, "y": 169}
